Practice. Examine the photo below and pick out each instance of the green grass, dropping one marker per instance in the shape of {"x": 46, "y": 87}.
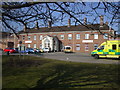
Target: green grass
{"x": 36, "y": 72}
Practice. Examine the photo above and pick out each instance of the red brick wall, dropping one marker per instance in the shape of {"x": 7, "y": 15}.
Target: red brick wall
{"x": 65, "y": 42}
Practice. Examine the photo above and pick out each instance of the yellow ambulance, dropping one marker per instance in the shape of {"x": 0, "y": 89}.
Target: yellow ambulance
{"x": 108, "y": 49}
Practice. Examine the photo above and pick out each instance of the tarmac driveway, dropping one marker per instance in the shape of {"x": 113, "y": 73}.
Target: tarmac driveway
{"x": 78, "y": 57}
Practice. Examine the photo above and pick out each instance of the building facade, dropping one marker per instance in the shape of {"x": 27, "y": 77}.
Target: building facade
{"x": 82, "y": 38}
{"x": 6, "y": 40}
{"x": 80, "y": 41}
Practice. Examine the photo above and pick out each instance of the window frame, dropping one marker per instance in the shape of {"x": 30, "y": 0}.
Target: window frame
{"x": 35, "y": 37}
{"x": 35, "y": 46}
{"x": 62, "y": 37}
{"x": 29, "y": 45}
{"x": 105, "y": 37}
{"x": 86, "y": 47}
{"x": 23, "y": 37}
{"x": 40, "y": 37}
{"x": 29, "y": 38}
{"x": 95, "y": 36}
{"x": 78, "y": 46}
{"x": 77, "y": 36}
{"x": 69, "y": 36}
{"x": 87, "y": 36}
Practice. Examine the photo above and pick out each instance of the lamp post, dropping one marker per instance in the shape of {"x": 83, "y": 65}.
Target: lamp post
{"x": 20, "y": 42}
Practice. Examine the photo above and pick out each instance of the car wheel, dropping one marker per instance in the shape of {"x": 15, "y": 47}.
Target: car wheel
{"x": 96, "y": 56}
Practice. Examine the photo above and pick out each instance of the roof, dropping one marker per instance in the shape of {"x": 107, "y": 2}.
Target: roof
{"x": 5, "y": 34}
{"x": 66, "y": 28}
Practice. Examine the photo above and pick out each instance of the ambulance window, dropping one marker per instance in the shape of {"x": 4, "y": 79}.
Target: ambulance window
{"x": 119, "y": 45}
{"x": 101, "y": 48}
{"x": 114, "y": 47}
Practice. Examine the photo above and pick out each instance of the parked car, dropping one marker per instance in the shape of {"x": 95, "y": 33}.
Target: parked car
{"x": 41, "y": 50}
{"x": 45, "y": 49}
{"x": 67, "y": 49}
{"x": 10, "y": 50}
{"x": 36, "y": 50}
{"x": 29, "y": 50}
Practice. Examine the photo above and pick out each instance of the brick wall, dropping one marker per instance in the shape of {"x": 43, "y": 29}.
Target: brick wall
{"x": 72, "y": 42}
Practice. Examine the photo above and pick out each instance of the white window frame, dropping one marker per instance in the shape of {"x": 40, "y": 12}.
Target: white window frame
{"x": 69, "y": 36}
{"x": 77, "y": 36}
{"x": 105, "y": 36}
{"x": 95, "y": 36}
{"x": 62, "y": 37}
{"x": 40, "y": 46}
{"x": 35, "y": 46}
{"x": 77, "y": 46}
{"x": 28, "y": 45}
{"x": 29, "y": 37}
{"x": 87, "y": 36}
{"x": 34, "y": 37}
{"x": 41, "y": 37}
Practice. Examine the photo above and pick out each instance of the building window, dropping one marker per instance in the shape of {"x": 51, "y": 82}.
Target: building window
{"x": 41, "y": 37}
{"x": 77, "y": 36}
{"x": 34, "y": 45}
{"x": 23, "y": 37}
{"x": 86, "y": 36}
{"x": 86, "y": 47}
{"x": 95, "y": 36}
{"x": 29, "y": 37}
{"x": 28, "y": 45}
{"x": 95, "y": 46}
{"x": 77, "y": 47}
{"x": 62, "y": 37}
{"x": 34, "y": 37}
{"x": 40, "y": 46}
{"x": 69, "y": 36}
{"x": 105, "y": 36}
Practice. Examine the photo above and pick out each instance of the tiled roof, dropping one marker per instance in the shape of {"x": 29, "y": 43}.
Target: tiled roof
{"x": 66, "y": 28}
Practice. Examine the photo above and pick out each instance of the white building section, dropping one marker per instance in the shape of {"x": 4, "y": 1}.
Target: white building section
{"x": 47, "y": 42}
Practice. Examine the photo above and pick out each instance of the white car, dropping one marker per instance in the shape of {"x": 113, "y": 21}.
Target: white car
{"x": 45, "y": 49}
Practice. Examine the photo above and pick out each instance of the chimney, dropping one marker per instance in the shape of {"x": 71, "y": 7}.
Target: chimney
{"x": 49, "y": 24}
{"x": 69, "y": 22}
{"x": 37, "y": 26}
{"x": 101, "y": 21}
{"x": 24, "y": 28}
{"x": 85, "y": 21}
{"x": 106, "y": 23}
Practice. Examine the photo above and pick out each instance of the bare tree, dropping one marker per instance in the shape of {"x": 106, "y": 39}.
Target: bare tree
{"x": 27, "y": 13}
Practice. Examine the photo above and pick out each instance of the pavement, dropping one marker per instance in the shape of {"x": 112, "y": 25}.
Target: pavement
{"x": 77, "y": 57}
{"x": 73, "y": 57}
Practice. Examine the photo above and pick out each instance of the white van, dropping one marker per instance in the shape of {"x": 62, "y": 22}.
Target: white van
{"x": 46, "y": 49}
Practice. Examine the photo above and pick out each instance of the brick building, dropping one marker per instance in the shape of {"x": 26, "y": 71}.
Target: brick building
{"x": 80, "y": 37}
{"x": 6, "y": 40}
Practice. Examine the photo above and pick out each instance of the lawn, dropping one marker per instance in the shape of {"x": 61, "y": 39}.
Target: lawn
{"x": 36, "y": 72}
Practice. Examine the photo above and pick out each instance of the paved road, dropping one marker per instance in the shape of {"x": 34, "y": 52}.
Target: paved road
{"x": 74, "y": 57}
{"x": 78, "y": 57}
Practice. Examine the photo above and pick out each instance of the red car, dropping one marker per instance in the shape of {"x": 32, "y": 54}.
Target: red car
{"x": 11, "y": 50}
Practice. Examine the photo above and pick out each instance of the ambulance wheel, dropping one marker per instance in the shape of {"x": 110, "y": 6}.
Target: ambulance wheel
{"x": 96, "y": 56}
